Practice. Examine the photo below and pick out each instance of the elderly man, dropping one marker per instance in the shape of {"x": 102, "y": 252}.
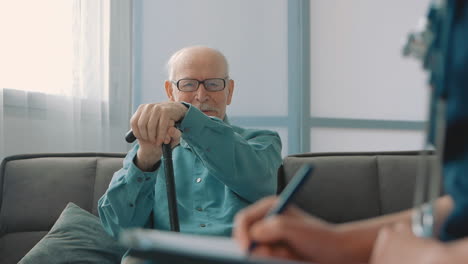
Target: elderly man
{"x": 219, "y": 168}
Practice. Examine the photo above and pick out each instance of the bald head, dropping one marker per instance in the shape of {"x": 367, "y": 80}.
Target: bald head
{"x": 197, "y": 57}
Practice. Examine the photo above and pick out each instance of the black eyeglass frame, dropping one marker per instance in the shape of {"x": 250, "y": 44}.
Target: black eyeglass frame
{"x": 200, "y": 82}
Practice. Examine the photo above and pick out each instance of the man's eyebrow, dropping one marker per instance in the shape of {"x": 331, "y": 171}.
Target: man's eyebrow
{"x": 192, "y": 78}
{"x": 187, "y": 78}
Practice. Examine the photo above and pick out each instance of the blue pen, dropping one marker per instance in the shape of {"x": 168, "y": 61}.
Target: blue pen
{"x": 287, "y": 194}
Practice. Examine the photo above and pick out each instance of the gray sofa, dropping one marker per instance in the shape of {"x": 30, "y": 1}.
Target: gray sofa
{"x": 34, "y": 189}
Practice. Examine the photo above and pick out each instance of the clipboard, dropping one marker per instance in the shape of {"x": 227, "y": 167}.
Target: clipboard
{"x": 164, "y": 247}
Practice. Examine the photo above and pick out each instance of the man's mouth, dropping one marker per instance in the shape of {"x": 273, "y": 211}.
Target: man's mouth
{"x": 207, "y": 109}
{"x": 209, "y": 112}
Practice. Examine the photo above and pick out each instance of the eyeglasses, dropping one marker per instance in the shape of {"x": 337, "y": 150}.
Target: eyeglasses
{"x": 191, "y": 85}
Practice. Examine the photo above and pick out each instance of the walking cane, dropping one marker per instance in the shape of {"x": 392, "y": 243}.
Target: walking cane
{"x": 170, "y": 183}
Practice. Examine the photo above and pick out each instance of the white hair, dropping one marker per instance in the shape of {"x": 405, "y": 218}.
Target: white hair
{"x": 175, "y": 56}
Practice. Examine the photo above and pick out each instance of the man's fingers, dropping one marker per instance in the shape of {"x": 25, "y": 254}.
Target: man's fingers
{"x": 134, "y": 122}
{"x": 263, "y": 251}
{"x": 288, "y": 227}
{"x": 277, "y": 250}
{"x": 163, "y": 126}
{"x": 171, "y": 123}
{"x": 282, "y": 250}
{"x": 173, "y": 134}
{"x": 381, "y": 245}
{"x": 167, "y": 140}
{"x": 245, "y": 218}
{"x": 153, "y": 126}
{"x": 402, "y": 227}
{"x": 254, "y": 215}
{"x": 143, "y": 122}
{"x": 152, "y": 121}
{"x": 272, "y": 229}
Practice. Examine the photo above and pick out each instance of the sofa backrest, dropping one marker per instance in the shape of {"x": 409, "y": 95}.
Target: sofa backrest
{"x": 34, "y": 189}
{"x": 363, "y": 184}
{"x": 352, "y": 186}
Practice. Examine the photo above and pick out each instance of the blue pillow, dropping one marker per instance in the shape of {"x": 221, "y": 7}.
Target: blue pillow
{"x": 76, "y": 237}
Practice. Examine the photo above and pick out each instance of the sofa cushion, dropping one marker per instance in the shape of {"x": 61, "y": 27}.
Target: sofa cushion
{"x": 397, "y": 178}
{"x": 337, "y": 183}
{"x": 13, "y": 246}
{"x": 76, "y": 237}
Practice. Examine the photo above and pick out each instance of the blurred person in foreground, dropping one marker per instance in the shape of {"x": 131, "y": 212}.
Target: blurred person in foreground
{"x": 386, "y": 239}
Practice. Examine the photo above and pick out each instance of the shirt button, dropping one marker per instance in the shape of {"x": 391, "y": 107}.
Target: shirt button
{"x": 202, "y": 225}
{"x": 139, "y": 179}
{"x": 198, "y": 180}
{"x": 199, "y": 209}
{"x": 148, "y": 178}
{"x": 130, "y": 204}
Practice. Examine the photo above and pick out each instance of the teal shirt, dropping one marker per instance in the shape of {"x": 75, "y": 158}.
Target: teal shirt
{"x": 219, "y": 169}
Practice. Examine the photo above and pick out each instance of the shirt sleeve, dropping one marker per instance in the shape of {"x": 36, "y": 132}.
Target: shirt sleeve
{"x": 245, "y": 160}
{"x": 129, "y": 200}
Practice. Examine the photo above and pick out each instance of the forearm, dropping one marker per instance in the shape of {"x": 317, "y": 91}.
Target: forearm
{"x": 129, "y": 199}
{"x": 119, "y": 210}
{"x": 358, "y": 237}
{"x": 247, "y": 168}
{"x": 244, "y": 160}
{"x": 454, "y": 252}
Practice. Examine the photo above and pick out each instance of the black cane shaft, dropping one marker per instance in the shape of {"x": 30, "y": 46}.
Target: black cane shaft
{"x": 170, "y": 183}
{"x": 170, "y": 188}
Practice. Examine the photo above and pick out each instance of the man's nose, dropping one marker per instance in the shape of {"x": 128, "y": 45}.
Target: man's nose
{"x": 202, "y": 93}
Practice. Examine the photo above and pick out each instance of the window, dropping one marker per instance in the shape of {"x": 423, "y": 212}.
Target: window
{"x": 36, "y": 47}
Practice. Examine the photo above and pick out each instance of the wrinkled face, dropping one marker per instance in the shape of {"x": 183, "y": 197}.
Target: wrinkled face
{"x": 201, "y": 65}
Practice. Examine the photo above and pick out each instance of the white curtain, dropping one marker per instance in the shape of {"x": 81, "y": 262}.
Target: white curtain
{"x": 2, "y": 126}
{"x": 93, "y": 114}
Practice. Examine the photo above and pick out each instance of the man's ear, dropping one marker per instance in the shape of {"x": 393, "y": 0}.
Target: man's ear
{"x": 169, "y": 92}
{"x": 230, "y": 92}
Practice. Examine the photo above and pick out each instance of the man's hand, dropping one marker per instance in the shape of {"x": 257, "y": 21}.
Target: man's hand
{"x": 398, "y": 244}
{"x": 291, "y": 235}
{"x": 153, "y": 125}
